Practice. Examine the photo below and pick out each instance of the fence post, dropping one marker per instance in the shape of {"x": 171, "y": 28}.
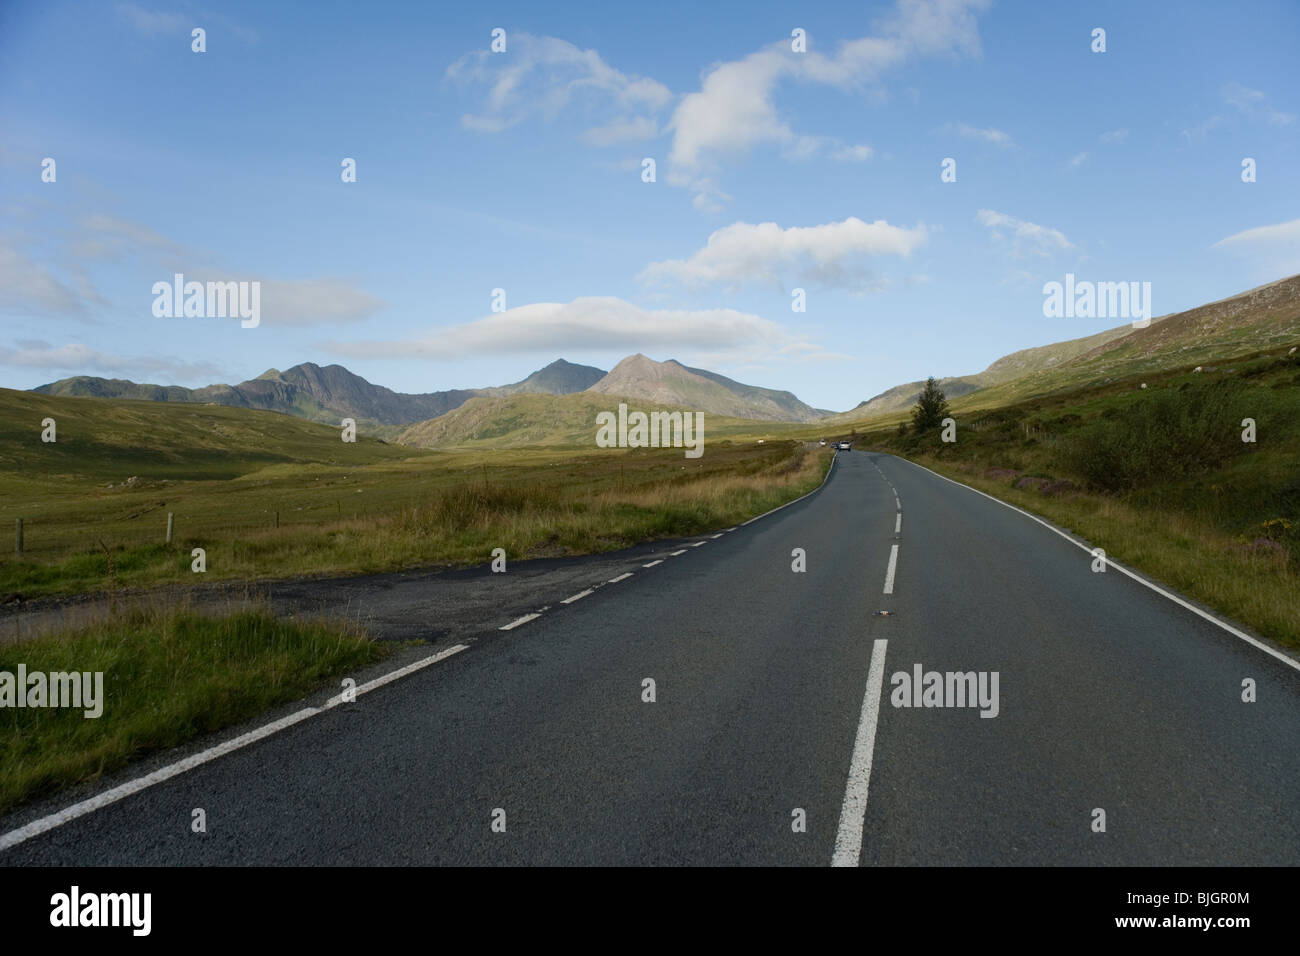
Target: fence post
{"x": 171, "y": 517}
{"x": 18, "y": 536}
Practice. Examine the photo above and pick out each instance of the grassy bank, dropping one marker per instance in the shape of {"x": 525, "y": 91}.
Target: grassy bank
{"x": 169, "y": 676}
{"x": 1158, "y": 476}
{"x": 449, "y": 507}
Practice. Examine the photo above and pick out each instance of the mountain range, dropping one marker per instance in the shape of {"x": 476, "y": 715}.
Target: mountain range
{"x": 1265, "y": 316}
{"x": 329, "y": 393}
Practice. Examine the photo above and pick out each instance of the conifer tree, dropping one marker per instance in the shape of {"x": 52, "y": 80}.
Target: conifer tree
{"x": 931, "y": 408}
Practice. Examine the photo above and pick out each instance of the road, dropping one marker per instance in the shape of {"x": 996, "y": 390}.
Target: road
{"x": 1110, "y": 697}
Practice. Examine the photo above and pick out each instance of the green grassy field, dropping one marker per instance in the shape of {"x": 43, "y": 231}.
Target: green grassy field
{"x": 168, "y": 677}
{"x": 1158, "y": 477}
{"x": 94, "y": 505}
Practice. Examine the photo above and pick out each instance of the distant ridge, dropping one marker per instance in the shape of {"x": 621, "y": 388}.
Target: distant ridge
{"x": 674, "y": 384}
{"x": 328, "y": 393}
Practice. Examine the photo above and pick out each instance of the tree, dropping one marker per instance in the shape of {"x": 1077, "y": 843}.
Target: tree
{"x": 931, "y": 408}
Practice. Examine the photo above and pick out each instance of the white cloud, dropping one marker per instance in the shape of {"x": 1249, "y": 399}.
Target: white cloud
{"x": 82, "y": 359}
{"x": 1113, "y": 136}
{"x": 1078, "y": 160}
{"x": 1254, "y": 103}
{"x": 541, "y": 76}
{"x": 1282, "y": 232}
{"x": 592, "y": 324}
{"x": 832, "y": 254}
{"x": 988, "y": 135}
{"x": 1025, "y": 237}
{"x": 734, "y": 109}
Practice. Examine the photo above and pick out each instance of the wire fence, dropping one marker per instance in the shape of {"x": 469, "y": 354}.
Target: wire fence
{"x": 60, "y": 537}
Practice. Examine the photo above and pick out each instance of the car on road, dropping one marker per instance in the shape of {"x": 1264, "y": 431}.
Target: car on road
{"x": 822, "y": 442}
{"x": 844, "y": 446}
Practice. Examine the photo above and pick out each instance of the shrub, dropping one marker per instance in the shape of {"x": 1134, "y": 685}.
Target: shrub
{"x": 1162, "y": 435}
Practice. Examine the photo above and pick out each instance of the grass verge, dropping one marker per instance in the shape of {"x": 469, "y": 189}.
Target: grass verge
{"x": 169, "y": 675}
{"x": 450, "y": 509}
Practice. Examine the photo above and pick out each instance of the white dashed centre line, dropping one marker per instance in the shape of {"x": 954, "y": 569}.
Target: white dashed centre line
{"x": 621, "y": 577}
{"x": 675, "y": 553}
{"x": 653, "y": 563}
{"x": 898, "y": 522}
{"x": 853, "y": 812}
{"x": 577, "y": 597}
{"x": 522, "y": 620}
{"x": 889, "y": 572}
{"x": 696, "y": 544}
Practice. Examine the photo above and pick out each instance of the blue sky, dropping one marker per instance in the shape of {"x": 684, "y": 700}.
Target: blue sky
{"x": 522, "y": 171}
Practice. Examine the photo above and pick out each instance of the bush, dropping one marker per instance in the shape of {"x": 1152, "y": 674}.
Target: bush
{"x": 1162, "y": 435}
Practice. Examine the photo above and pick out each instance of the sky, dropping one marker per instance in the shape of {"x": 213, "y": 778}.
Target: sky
{"x": 501, "y": 216}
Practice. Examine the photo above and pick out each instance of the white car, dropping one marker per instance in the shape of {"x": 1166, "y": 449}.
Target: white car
{"x": 844, "y": 446}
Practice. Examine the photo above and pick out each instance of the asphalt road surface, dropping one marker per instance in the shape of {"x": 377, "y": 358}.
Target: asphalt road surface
{"x": 773, "y": 736}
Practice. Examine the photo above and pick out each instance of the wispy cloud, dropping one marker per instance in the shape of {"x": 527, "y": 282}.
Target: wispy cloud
{"x": 622, "y": 131}
{"x": 835, "y": 254}
{"x": 153, "y": 23}
{"x": 1198, "y": 133}
{"x": 82, "y": 359}
{"x": 65, "y": 286}
{"x": 988, "y": 135}
{"x": 1279, "y": 233}
{"x": 27, "y": 286}
{"x": 1113, "y": 136}
{"x": 541, "y": 76}
{"x": 1024, "y": 237}
{"x": 1255, "y": 104}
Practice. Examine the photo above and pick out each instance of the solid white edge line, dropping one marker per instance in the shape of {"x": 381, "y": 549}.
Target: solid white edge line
{"x": 621, "y": 577}
{"x": 797, "y": 500}
{"x": 1284, "y": 658}
{"x": 853, "y": 812}
{"x": 889, "y": 572}
{"x": 577, "y": 597}
{"x": 397, "y": 674}
{"x": 101, "y": 800}
{"x": 653, "y": 563}
{"x": 517, "y": 621}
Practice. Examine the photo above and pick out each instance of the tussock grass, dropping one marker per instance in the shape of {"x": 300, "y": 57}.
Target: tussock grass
{"x": 448, "y": 508}
{"x": 170, "y": 675}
